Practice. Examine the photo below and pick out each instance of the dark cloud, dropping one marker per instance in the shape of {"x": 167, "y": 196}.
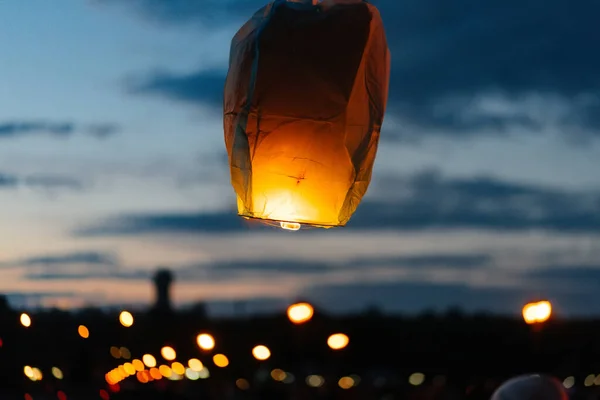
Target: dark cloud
{"x": 444, "y": 56}
{"x": 425, "y": 200}
{"x": 59, "y": 129}
{"x": 576, "y": 276}
{"x": 86, "y": 257}
{"x": 8, "y": 181}
{"x": 53, "y": 182}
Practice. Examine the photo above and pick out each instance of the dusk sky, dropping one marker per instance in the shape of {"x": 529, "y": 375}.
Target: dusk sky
{"x": 485, "y": 193}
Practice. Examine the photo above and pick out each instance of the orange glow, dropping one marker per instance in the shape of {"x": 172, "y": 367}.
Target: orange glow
{"x": 25, "y": 320}
{"x": 138, "y": 365}
{"x": 155, "y": 373}
{"x": 346, "y": 382}
{"x": 261, "y": 353}
{"x": 83, "y": 331}
{"x": 165, "y": 371}
{"x": 205, "y": 341}
{"x": 168, "y": 353}
{"x": 302, "y": 142}
{"x": 338, "y": 341}
{"x": 126, "y": 319}
{"x": 221, "y": 360}
{"x": 178, "y": 368}
{"x": 537, "y": 313}
{"x": 300, "y": 313}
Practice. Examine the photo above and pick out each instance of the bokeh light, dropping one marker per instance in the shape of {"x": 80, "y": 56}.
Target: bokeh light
{"x": 416, "y": 379}
{"x": 537, "y": 313}
{"x": 83, "y": 331}
{"x": 261, "y": 352}
{"x": 221, "y": 360}
{"x": 205, "y": 341}
{"x": 57, "y": 373}
{"x": 168, "y": 353}
{"x": 300, "y": 313}
{"x": 195, "y": 364}
{"x": 25, "y": 320}
{"x": 126, "y": 319}
{"x": 338, "y": 341}
{"x": 149, "y": 360}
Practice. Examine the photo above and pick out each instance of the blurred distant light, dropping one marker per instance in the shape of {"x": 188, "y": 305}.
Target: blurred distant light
{"x": 205, "y": 341}
{"x": 149, "y": 360}
{"x": 204, "y": 373}
{"x": 537, "y": 313}
{"x": 338, "y": 341}
{"x": 597, "y": 380}
{"x": 83, "y": 331}
{"x": 289, "y": 378}
{"x": 115, "y": 352}
{"x": 155, "y": 373}
{"x": 125, "y": 353}
{"x": 346, "y": 382}
{"x": 28, "y": 371}
{"x": 141, "y": 377}
{"x": 28, "y": 396}
{"x": 126, "y": 319}
{"x": 115, "y": 388}
{"x": 416, "y": 379}
{"x": 57, "y": 373}
{"x": 25, "y": 320}
{"x": 129, "y": 368}
{"x": 168, "y": 353}
{"x": 178, "y": 368}
{"x": 315, "y": 381}
{"x": 195, "y": 364}
{"x": 104, "y": 394}
{"x": 261, "y": 352}
{"x": 300, "y": 313}
{"x": 278, "y": 374}
{"x": 122, "y": 371}
{"x": 165, "y": 371}
{"x": 37, "y": 375}
{"x": 191, "y": 374}
{"x": 589, "y": 380}
{"x": 569, "y": 382}
{"x": 1, "y": 342}
{"x": 221, "y": 360}
{"x": 138, "y": 365}
{"x": 61, "y": 395}
{"x": 242, "y": 384}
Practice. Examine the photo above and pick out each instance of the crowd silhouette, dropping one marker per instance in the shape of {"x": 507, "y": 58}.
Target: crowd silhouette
{"x": 430, "y": 356}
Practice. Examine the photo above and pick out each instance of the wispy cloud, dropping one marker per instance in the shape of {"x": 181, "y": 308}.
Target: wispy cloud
{"x": 46, "y": 182}
{"x": 11, "y": 129}
{"x": 424, "y": 200}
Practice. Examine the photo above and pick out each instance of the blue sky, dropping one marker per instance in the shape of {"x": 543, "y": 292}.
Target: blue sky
{"x": 486, "y": 191}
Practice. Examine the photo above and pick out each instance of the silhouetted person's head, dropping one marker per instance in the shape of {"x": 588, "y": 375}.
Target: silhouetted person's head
{"x": 162, "y": 281}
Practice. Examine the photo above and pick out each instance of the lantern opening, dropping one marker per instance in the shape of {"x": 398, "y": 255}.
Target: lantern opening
{"x": 290, "y": 226}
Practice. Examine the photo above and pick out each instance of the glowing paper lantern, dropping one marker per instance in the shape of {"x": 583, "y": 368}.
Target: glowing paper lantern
{"x": 304, "y": 103}
{"x": 531, "y": 387}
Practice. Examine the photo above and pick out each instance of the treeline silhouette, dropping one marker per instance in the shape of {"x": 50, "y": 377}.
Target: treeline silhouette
{"x": 461, "y": 356}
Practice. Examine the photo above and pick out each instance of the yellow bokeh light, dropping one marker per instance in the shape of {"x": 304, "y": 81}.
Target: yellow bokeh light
{"x": 149, "y": 360}
{"x": 28, "y": 371}
{"x": 195, "y": 364}
{"x": 138, "y": 365}
{"x": 346, "y": 382}
{"x": 300, "y": 313}
{"x": 168, "y": 353}
{"x": 205, "y": 341}
{"x": 416, "y": 379}
{"x": 165, "y": 371}
{"x": 221, "y": 360}
{"x": 129, "y": 368}
{"x": 338, "y": 341}
{"x": 178, "y": 368}
{"x": 191, "y": 374}
{"x": 57, "y": 373}
{"x": 83, "y": 331}
{"x": 126, "y": 319}
{"x": 25, "y": 320}
{"x": 37, "y": 375}
{"x": 537, "y": 313}
{"x": 261, "y": 352}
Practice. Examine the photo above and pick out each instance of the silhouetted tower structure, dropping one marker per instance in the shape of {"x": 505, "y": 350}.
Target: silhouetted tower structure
{"x": 162, "y": 281}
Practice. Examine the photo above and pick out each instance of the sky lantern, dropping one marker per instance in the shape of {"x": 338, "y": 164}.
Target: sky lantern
{"x": 537, "y": 313}
{"x": 304, "y": 102}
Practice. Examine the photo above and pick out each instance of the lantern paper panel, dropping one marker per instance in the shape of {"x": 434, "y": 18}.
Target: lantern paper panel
{"x": 304, "y": 102}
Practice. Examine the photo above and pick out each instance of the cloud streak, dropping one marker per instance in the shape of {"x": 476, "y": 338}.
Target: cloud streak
{"x": 422, "y": 201}
{"x": 12, "y": 129}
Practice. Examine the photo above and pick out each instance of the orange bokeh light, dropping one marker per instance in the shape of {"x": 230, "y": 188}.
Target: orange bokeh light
{"x": 300, "y": 313}
{"x": 537, "y": 313}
